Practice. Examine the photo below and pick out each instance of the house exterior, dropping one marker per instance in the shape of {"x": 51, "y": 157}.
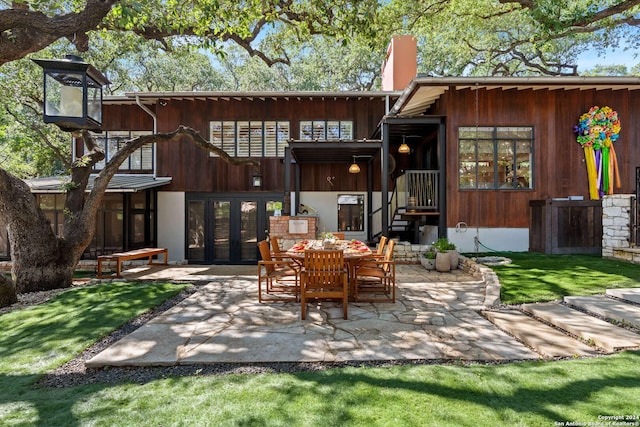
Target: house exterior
{"x": 479, "y": 151}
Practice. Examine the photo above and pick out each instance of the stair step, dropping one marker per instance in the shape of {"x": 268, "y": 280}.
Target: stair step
{"x": 628, "y": 294}
{"x": 545, "y": 340}
{"x": 607, "y": 308}
{"x": 586, "y": 327}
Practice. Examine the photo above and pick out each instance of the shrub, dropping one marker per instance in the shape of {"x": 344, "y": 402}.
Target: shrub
{"x": 443, "y": 244}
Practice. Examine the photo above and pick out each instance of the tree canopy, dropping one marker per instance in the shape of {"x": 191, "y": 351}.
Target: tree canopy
{"x": 313, "y": 45}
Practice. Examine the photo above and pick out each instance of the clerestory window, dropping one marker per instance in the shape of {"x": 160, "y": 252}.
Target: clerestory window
{"x": 250, "y": 138}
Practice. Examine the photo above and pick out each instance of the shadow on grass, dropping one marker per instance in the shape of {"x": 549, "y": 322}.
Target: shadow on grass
{"x": 529, "y": 393}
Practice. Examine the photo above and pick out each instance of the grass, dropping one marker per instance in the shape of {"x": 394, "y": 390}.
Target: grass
{"x": 534, "y": 277}
{"x": 36, "y": 340}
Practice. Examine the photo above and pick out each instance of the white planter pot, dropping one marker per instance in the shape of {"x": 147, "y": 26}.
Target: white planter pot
{"x": 454, "y": 257}
{"x": 443, "y": 262}
{"x": 428, "y": 263}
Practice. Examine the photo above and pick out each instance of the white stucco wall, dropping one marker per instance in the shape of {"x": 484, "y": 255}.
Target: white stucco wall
{"x": 498, "y": 239}
{"x": 326, "y": 205}
{"x": 171, "y": 223}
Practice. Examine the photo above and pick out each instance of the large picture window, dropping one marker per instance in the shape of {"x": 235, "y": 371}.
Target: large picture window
{"x": 111, "y": 141}
{"x": 332, "y": 130}
{"x": 496, "y": 158}
{"x": 250, "y": 138}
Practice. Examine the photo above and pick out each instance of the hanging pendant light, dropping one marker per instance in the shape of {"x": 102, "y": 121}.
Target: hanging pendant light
{"x": 354, "y": 168}
{"x": 404, "y": 148}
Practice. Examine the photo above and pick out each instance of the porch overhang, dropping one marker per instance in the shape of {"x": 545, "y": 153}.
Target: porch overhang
{"x": 118, "y": 184}
{"x": 423, "y": 92}
{"x": 333, "y": 151}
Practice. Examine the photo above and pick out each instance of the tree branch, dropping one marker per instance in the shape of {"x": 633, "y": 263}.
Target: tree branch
{"x": 58, "y": 153}
{"x": 25, "y": 31}
{"x": 585, "y": 20}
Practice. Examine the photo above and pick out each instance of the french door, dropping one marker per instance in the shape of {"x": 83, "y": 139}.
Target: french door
{"x": 224, "y": 229}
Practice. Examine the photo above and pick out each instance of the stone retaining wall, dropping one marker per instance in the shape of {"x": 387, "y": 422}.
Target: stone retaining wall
{"x": 616, "y": 231}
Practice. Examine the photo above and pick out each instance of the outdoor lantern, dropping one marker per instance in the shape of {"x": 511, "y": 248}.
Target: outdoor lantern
{"x": 257, "y": 181}
{"x": 404, "y": 148}
{"x": 354, "y": 168}
{"x": 72, "y": 93}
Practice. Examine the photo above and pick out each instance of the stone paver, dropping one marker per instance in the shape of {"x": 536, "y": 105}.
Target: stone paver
{"x": 436, "y": 316}
{"x": 589, "y": 328}
{"x": 544, "y": 339}
{"x": 608, "y": 308}
{"x": 629, "y": 294}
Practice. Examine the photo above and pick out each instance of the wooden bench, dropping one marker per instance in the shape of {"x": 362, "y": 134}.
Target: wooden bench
{"x": 119, "y": 257}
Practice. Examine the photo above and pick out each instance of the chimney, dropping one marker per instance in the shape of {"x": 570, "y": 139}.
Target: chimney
{"x": 401, "y": 63}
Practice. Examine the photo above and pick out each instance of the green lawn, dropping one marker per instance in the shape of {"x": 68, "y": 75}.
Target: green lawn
{"x": 36, "y": 340}
{"x": 534, "y": 277}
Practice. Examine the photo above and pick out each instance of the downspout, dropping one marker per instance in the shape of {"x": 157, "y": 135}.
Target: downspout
{"x": 155, "y": 129}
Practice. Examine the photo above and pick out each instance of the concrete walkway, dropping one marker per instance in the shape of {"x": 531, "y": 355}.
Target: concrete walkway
{"x": 436, "y": 316}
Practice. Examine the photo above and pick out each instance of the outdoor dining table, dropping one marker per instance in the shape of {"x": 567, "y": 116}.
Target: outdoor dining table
{"x": 353, "y": 252}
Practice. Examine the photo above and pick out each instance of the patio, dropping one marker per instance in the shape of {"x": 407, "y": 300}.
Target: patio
{"x": 436, "y": 316}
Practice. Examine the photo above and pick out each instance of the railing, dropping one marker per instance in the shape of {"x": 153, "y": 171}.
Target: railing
{"x": 634, "y": 217}
{"x": 420, "y": 190}
{"x": 414, "y": 190}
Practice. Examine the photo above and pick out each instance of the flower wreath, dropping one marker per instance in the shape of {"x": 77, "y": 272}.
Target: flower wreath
{"x": 597, "y": 128}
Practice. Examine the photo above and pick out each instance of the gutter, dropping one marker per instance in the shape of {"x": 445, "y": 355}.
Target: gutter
{"x": 155, "y": 130}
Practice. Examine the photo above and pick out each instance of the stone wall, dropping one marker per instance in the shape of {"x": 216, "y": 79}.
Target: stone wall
{"x": 405, "y": 252}
{"x": 616, "y": 221}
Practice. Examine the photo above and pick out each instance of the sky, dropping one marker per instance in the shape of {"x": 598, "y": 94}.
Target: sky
{"x": 628, "y": 57}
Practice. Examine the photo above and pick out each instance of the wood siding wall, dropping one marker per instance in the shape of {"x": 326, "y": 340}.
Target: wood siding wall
{"x": 559, "y": 167}
{"x": 193, "y": 170}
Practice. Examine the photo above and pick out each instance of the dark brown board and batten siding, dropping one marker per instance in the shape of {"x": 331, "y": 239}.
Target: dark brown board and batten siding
{"x": 559, "y": 168}
{"x": 194, "y": 170}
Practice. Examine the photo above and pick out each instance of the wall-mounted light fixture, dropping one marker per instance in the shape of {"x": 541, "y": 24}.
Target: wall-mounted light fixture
{"x": 256, "y": 180}
{"x": 404, "y": 148}
{"x": 354, "y": 168}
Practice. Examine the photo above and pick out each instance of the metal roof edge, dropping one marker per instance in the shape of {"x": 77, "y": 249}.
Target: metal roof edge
{"x": 265, "y": 94}
{"x": 490, "y": 81}
{"x": 532, "y": 80}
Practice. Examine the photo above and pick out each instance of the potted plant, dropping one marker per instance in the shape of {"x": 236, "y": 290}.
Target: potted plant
{"x": 328, "y": 240}
{"x": 444, "y": 246}
{"x": 428, "y": 259}
{"x": 454, "y": 257}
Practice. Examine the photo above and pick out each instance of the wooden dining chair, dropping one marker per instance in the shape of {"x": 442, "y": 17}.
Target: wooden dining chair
{"x": 281, "y": 279}
{"x": 375, "y": 280}
{"x": 338, "y": 235}
{"x": 275, "y": 246}
{"x": 323, "y": 277}
{"x": 378, "y": 255}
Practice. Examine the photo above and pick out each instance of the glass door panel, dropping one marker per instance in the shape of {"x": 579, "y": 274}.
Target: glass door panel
{"x": 248, "y": 230}
{"x": 221, "y": 231}
{"x": 195, "y": 238}
{"x": 225, "y": 229}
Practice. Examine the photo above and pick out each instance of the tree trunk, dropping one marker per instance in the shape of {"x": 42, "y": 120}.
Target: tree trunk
{"x": 8, "y": 293}
{"x": 41, "y": 261}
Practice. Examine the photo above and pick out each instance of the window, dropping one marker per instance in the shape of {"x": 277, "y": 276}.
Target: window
{"x": 499, "y": 158}
{"x": 326, "y": 130}
{"x": 350, "y": 212}
{"x": 112, "y": 141}
{"x": 250, "y": 138}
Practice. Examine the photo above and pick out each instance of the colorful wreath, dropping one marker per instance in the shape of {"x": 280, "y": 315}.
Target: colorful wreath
{"x": 596, "y": 131}
{"x": 598, "y": 128}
